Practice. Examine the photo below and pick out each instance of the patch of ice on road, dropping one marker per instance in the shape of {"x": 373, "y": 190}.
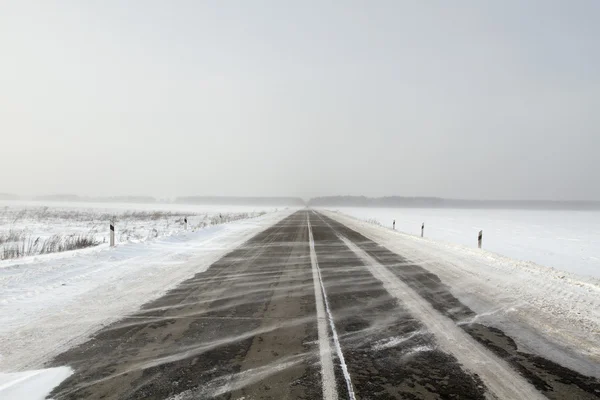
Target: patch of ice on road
{"x": 32, "y": 385}
{"x": 394, "y": 341}
{"x": 494, "y": 311}
{"x": 417, "y": 349}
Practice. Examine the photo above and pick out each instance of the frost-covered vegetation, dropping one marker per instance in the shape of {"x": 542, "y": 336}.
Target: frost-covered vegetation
{"x": 28, "y": 231}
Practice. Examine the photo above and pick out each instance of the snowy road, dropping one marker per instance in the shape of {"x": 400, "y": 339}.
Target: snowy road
{"x": 310, "y": 308}
{"x": 314, "y": 306}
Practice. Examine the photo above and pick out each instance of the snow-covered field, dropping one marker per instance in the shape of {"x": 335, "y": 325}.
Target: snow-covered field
{"x": 33, "y": 228}
{"x": 565, "y": 240}
{"x": 51, "y": 302}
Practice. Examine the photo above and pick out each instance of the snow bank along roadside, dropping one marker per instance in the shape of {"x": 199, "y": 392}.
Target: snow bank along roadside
{"x": 563, "y": 239}
{"x": 55, "y": 303}
{"x": 549, "y": 312}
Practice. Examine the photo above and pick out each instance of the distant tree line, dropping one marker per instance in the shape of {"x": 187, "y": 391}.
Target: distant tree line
{"x": 328, "y": 201}
{"x": 389, "y": 201}
{"x": 205, "y": 200}
{"x": 437, "y": 202}
{"x": 8, "y": 196}
{"x": 97, "y": 199}
{"x": 232, "y": 200}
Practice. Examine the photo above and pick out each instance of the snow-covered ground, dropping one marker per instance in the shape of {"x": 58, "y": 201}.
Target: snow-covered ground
{"x": 51, "y": 302}
{"x": 27, "y": 225}
{"x": 550, "y": 312}
{"x": 565, "y": 240}
{"x": 31, "y": 385}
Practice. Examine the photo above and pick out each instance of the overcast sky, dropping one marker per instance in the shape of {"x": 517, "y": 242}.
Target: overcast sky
{"x": 464, "y": 99}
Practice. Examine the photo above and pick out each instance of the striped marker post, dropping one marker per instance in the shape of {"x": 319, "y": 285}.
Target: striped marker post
{"x": 112, "y": 235}
{"x": 479, "y": 239}
{"x": 422, "y": 229}
{"x": 185, "y": 222}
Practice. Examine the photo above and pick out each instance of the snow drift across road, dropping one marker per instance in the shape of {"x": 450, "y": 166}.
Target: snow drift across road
{"x": 56, "y": 301}
{"x": 549, "y": 312}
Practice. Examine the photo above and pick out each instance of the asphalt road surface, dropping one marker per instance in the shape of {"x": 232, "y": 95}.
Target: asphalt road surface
{"x": 309, "y": 309}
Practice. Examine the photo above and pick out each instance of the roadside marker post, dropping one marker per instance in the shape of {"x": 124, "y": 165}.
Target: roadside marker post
{"x": 112, "y": 234}
{"x": 422, "y": 229}
{"x": 185, "y": 222}
{"x": 479, "y": 239}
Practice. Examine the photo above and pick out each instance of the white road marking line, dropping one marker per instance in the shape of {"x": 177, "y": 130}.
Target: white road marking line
{"x": 329, "y": 388}
{"x": 500, "y": 379}
{"x": 327, "y": 374}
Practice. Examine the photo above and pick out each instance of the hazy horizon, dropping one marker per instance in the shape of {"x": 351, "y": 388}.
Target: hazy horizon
{"x": 158, "y": 199}
{"x": 469, "y": 100}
